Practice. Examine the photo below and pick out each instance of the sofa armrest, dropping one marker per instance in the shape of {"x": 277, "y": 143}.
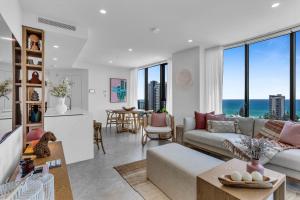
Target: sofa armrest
{"x": 189, "y": 124}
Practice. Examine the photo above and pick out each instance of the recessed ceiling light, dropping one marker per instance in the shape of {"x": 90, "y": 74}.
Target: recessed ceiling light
{"x": 55, "y": 59}
{"x": 56, "y": 46}
{"x": 102, "y": 11}
{"x": 130, "y": 50}
{"x": 275, "y": 5}
{"x": 7, "y": 38}
{"x": 154, "y": 30}
{"x": 190, "y": 41}
{"x": 110, "y": 61}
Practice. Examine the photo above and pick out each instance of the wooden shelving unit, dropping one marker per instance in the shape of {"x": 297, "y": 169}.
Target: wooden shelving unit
{"x": 33, "y": 49}
{"x": 16, "y": 85}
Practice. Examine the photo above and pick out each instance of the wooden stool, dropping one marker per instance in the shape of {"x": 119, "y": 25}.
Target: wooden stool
{"x": 98, "y": 135}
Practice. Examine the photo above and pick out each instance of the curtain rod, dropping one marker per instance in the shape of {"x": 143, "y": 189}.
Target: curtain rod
{"x": 264, "y": 36}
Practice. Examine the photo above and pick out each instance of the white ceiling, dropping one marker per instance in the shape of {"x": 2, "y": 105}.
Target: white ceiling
{"x": 127, "y": 23}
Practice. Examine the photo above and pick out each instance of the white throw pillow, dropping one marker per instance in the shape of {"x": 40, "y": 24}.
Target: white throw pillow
{"x": 221, "y": 126}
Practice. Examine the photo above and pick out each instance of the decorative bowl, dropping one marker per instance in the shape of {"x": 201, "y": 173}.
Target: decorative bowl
{"x": 128, "y": 109}
{"x": 266, "y": 183}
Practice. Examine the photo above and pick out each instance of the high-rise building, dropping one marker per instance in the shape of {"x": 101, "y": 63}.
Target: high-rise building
{"x": 276, "y": 106}
{"x": 154, "y": 95}
{"x": 141, "y": 104}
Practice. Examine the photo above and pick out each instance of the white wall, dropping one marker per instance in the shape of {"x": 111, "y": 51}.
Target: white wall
{"x": 99, "y": 80}
{"x": 185, "y": 96}
{"x": 79, "y": 92}
{"x": 12, "y": 13}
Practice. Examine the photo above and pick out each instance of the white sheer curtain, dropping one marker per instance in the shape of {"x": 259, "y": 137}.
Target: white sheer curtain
{"x": 212, "y": 81}
{"x": 133, "y": 87}
{"x": 169, "y": 88}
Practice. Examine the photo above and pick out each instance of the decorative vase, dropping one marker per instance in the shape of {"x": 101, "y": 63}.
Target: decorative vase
{"x": 254, "y": 165}
{"x": 61, "y": 107}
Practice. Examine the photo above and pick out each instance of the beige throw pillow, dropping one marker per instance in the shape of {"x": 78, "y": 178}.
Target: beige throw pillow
{"x": 221, "y": 126}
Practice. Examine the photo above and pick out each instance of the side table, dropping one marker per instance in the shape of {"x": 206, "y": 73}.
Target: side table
{"x": 179, "y": 134}
{"x": 209, "y": 187}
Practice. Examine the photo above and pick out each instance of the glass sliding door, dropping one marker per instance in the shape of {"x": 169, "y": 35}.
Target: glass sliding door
{"x": 234, "y": 81}
{"x": 269, "y": 78}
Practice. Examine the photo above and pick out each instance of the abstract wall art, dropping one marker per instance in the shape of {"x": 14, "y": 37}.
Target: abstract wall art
{"x": 118, "y": 90}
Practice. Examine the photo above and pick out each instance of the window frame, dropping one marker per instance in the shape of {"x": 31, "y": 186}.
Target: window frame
{"x": 292, "y": 85}
{"x": 163, "y": 92}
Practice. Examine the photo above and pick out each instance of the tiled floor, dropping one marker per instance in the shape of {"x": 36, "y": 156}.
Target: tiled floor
{"x": 96, "y": 179}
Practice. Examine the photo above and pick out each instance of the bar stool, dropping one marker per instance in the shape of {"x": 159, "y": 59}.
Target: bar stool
{"x": 98, "y": 135}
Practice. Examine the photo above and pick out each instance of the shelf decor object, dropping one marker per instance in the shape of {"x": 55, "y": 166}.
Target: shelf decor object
{"x": 33, "y": 79}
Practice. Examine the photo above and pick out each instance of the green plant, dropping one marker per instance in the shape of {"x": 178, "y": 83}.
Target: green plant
{"x": 163, "y": 110}
{"x": 5, "y": 88}
{"x": 61, "y": 90}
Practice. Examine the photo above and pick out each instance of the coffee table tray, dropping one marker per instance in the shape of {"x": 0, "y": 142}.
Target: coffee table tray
{"x": 265, "y": 184}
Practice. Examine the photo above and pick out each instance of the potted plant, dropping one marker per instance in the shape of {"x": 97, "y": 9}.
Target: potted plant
{"x": 255, "y": 149}
{"x": 61, "y": 91}
{"x": 5, "y": 88}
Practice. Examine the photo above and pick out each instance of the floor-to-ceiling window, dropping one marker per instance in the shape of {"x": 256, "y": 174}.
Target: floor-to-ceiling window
{"x": 269, "y": 78}
{"x": 298, "y": 76}
{"x": 152, "y": 87}
{"x": 141, "y": 89}
{"x": 234, "y": 81}
{"x": 264, "y": 77}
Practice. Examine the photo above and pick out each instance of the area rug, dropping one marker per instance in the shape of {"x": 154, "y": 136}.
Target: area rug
{"x": 135, "y": 175}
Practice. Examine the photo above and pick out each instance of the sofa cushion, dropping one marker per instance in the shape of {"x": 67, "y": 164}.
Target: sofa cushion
{"x": 220, "y": 117}
{"x": 258, "y": 124}
{"x": 287, "y": 159}
{"x": 200, "y": 119}
{"x": 212, "y": 139}
{"x": 245, "y": 125}
{"x": 221, "y": 126}
{"x": 290, "y": 134}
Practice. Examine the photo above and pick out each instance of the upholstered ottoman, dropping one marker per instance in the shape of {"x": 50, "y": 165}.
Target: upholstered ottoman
{"x": 174, "y": 168}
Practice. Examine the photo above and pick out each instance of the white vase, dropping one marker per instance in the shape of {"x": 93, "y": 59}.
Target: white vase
{"x": 61, "y": 107}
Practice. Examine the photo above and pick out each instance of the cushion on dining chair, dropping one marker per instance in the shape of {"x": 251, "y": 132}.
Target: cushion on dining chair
{"x": 158, "y": 120}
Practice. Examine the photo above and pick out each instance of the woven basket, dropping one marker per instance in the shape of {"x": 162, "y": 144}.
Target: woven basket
{"x": 48, "y": 184}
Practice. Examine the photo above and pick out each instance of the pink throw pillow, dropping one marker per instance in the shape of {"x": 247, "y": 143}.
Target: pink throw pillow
{"x": 290, "y": 134}
{"x": 35, "y": 134}
{"x": 220, "y": 117}
{"x": 158, "y": 120}
{"x": 200, "y": 119}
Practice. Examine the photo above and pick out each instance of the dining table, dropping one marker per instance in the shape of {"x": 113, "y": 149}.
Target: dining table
{"x": 129, "y": 120}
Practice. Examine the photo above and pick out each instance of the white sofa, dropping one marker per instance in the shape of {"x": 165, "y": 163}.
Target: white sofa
{"x": 287, "y": 162}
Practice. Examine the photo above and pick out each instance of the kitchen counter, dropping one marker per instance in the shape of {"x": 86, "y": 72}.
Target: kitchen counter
{"x": 51, "y": 112}
{"x": 75, "y": 130}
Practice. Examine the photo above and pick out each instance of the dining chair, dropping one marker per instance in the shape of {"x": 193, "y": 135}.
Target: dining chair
{"x": 111, "y": 118}
{"x": 98, "y": 135}
{"x": 164, "y": 132}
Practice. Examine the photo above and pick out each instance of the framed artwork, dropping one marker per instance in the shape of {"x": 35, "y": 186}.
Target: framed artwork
{"x": 118, "y": 90}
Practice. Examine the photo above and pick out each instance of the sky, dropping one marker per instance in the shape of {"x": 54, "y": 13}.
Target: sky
{"x": 269, "y": 67}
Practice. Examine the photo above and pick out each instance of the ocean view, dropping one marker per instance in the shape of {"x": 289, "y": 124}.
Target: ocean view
{"x": 258, "y": 107}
